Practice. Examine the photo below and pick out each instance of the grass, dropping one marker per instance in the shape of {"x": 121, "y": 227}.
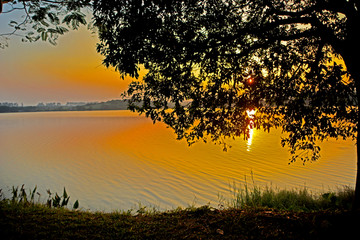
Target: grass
{"x": 254, "y": 213}
{"x": 294, "y": 200}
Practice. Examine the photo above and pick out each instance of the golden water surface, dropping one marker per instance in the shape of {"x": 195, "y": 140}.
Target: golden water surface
{"x": 116, "y": 159}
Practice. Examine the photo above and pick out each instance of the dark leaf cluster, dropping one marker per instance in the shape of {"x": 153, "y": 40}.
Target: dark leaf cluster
{"x": 208, "y": 62}
{"x": 47, "y": 20}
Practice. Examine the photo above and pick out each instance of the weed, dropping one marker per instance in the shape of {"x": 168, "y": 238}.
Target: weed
{"x": 296, "y": 199}
{"x": 20, "y": 196}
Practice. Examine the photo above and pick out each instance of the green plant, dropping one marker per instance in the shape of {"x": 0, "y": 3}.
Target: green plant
{"x": 245, "y": 196}
{"x": 60, "y": 201}
{"x": 19, "y": 195}
{"x": 343, "y": 199}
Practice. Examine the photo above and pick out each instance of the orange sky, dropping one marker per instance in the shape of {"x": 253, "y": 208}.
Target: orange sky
{"x": 70, "y": 71}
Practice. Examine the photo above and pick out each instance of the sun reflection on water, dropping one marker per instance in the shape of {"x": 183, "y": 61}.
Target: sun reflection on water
{"x": 251, "y": 115}
{"x": 250, "y": 139}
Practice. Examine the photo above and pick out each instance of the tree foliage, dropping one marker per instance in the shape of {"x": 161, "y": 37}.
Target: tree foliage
{"x": 43, "y": 19}
{"x": 201, "y": 54}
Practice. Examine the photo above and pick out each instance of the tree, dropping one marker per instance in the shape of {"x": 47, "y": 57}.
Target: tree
{"x": 48, "y": 19}
{"x": 295, "y": 62}
{"x": 208, "y": 61}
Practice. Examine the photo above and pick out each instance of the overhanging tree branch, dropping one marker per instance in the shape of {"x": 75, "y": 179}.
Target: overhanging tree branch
{"x": 48, "y": 18}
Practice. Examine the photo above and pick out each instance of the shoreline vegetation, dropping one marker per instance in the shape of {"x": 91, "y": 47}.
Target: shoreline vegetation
{"x": 109, "y": 105}
{"x": 252, "y": 213}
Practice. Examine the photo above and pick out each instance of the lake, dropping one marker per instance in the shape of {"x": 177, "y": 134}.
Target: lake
{"x": 112, "y": 160}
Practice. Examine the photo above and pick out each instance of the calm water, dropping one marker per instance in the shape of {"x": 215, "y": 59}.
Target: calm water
{"x": 116, "y": 159}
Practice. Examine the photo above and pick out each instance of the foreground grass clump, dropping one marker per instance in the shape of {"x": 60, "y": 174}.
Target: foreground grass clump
{"x": 33, "y": 220}
{"x": 294, "y": 200}
{"x": 28, "y": 198}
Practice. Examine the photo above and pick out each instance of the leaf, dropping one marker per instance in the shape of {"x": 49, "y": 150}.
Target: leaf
{"x": 64, "y": 202}
{"x": 41, "y": 29}
{"x": 43, "y": 22}
{"x": 53, "y": 18}
{"x": 74, "y": 20}
{"x": 48, "y": 191}
{"x": 14, "y": 193}
{"x": 65, "y": 194}
{"x": 56, "y": 201}
{"x": 76, "y": 204}
{"x": 13, "y": 23}
{"x": 61, "y": 30}
{"x": 33, "y": 193}
{"x": 44, "y": 36}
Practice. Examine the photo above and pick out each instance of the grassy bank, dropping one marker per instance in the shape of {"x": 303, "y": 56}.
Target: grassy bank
{"x": 324, "y": 217}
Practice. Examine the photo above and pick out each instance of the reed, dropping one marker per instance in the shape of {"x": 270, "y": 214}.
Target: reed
{"x": 21, "y": 196}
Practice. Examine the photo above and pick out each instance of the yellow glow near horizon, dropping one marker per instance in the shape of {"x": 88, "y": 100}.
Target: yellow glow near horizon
{"x": 70, "y": 71}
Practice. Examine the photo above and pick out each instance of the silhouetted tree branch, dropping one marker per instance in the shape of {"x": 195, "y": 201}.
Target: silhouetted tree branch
{"x": 45, "y": 19}
{"x": 200, "y": 54}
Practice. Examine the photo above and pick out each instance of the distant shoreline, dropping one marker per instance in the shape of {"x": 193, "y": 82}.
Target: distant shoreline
{"x": 109, "y": 105}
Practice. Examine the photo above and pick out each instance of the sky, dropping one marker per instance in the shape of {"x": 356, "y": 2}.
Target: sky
{"x": 70, "y": 71}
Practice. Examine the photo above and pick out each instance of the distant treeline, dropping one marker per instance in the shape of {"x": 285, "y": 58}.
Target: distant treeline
{"x": 109, "y": 105}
